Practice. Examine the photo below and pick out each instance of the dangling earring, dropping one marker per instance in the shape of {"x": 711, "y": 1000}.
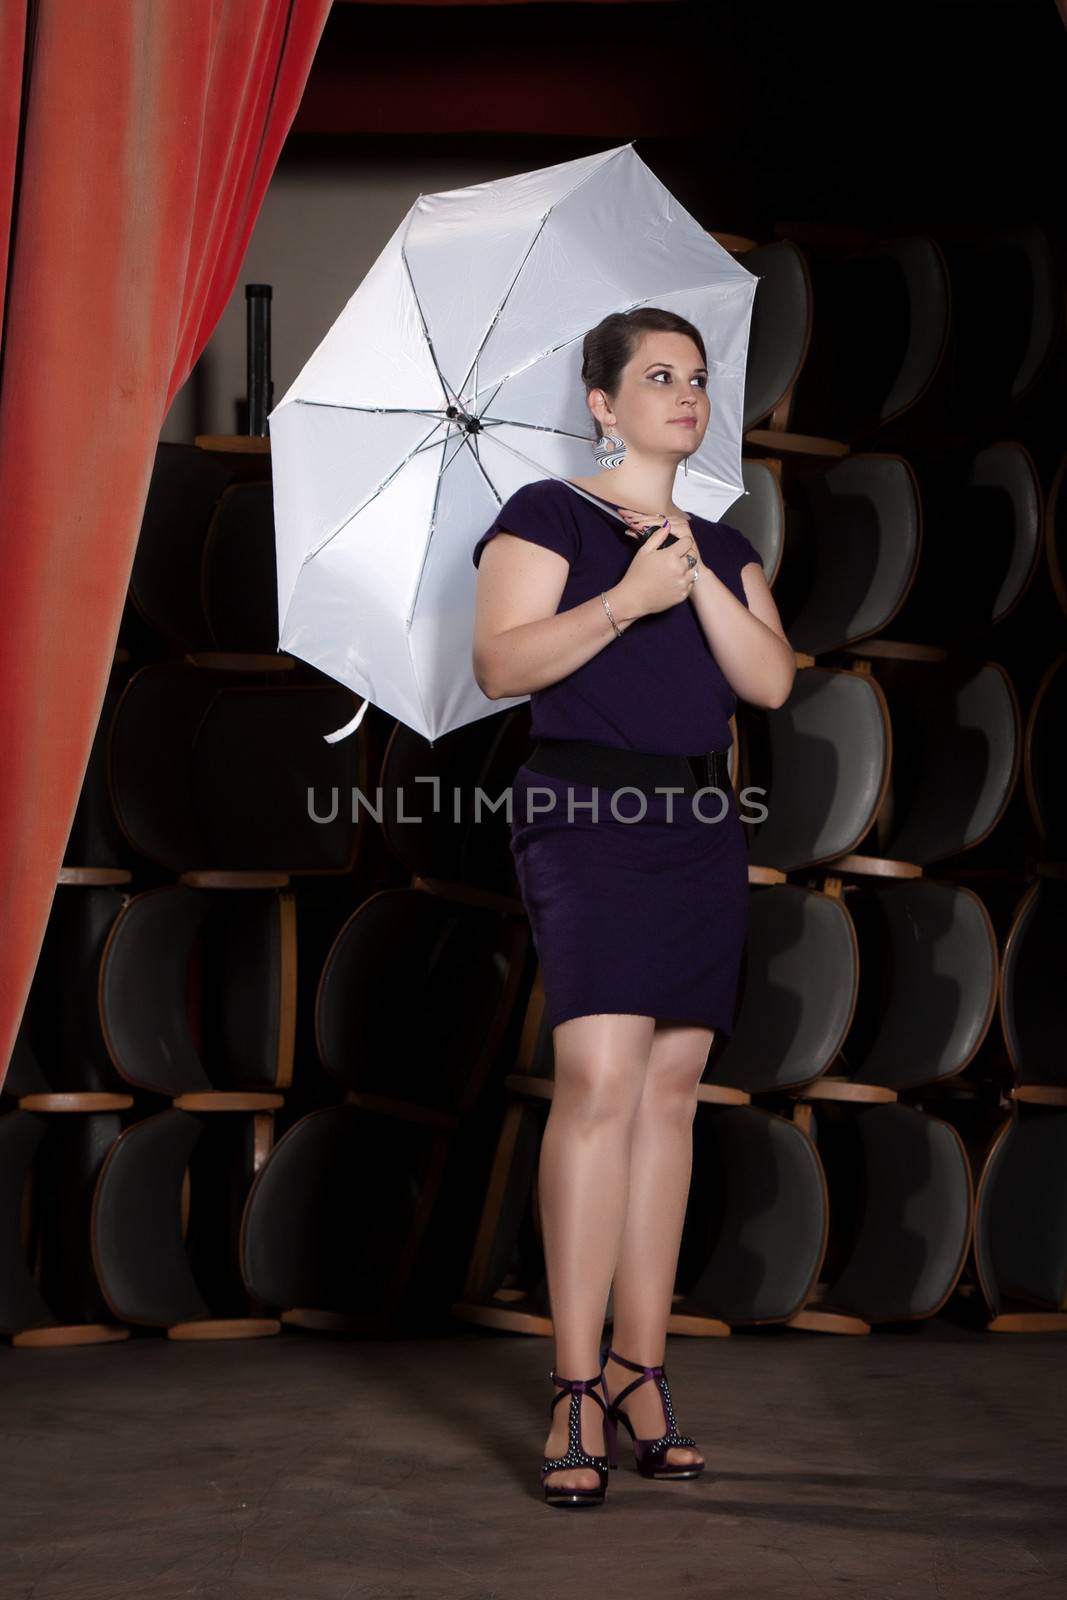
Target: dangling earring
{"x": 609, "y": 450}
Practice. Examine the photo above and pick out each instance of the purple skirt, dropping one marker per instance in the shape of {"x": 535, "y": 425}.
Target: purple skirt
{"x": 645, "y": 917}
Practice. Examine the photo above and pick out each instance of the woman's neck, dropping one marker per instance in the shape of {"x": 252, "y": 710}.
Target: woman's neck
{"x": 647, "y": 490}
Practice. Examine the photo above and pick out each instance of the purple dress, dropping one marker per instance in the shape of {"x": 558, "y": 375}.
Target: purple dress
{"x": 646, "y": 915}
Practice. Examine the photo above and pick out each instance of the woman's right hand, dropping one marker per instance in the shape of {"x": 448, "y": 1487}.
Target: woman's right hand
{"x": 659, "y": 576}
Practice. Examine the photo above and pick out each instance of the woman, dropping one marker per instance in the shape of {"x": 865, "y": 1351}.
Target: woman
{"x": 633, "y": 649}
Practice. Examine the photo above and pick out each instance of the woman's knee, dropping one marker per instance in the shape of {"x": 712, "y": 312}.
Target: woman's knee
{"x": 599, "y": 1075}
{"x": 676, "y": 1064}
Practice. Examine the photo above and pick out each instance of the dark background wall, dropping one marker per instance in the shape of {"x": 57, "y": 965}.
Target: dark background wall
{"x": 936, "y": 116}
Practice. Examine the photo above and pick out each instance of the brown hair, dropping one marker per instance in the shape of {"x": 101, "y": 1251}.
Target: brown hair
{"x": 608, "y": 347}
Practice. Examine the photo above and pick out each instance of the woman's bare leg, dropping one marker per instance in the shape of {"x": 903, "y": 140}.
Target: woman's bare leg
{"x": 660, "y": 1171}
{"x": 582, "y": 1183}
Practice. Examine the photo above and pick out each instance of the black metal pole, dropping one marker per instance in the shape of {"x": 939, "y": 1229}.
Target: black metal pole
{"x": 260, "y": 384}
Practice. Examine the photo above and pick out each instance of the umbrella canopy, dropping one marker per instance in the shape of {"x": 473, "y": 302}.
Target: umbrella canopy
{"x": 451, "y": 378}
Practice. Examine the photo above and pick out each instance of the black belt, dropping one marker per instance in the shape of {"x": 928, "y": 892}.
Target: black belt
{"x": 584, "y": 761}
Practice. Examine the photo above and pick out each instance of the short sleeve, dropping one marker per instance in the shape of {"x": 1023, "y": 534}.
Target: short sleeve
{"x": 746, "y": 551}
{"x": 534, "y": 512}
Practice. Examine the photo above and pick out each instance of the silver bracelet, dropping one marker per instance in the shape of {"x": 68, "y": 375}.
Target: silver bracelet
{"x": 607, "y": 608}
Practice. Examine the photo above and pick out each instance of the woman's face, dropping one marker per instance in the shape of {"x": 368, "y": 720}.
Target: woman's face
{"x": 664, "y": 381}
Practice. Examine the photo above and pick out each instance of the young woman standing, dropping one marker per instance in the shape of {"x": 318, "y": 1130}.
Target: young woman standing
{"x": 633, "y": 648}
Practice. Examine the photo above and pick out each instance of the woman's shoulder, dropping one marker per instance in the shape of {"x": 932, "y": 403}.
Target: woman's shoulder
{"x": 551, "y": 497}
{"x": 538, "y": 491}
{"x": 552, "y": 486}
{"x": 724, "y": 537}
{"x": 535, "y": 512}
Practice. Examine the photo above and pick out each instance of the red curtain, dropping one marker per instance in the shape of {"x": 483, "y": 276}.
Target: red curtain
{"x": 136, "y": 144}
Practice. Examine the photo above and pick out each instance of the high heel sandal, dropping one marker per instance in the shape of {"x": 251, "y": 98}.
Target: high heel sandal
{"x": 650, "y": 1454}
{"x": 576, "y": 1456}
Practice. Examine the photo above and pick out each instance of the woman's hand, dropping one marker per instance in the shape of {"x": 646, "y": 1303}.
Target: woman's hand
{"x": 659, "y": 576}
{"x": 679, "y": 527}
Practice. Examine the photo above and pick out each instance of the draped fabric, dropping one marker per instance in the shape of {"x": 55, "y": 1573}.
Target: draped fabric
{"x": 136, "y": 145}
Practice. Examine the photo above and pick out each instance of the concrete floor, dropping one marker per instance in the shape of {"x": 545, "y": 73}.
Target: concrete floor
{"x": 906, "y": 1465}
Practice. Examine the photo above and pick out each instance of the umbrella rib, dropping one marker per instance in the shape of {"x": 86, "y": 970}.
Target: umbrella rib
{"x": 585, "y": 178}
{"x": 703, "y": 477}
{"x": 565, "y": 433}
{"x": 406, "y": 411}
{"x": 464, "y": 439}
{"x": 449, "y": 396}
{"x": 422, "y": 569}
{"x": 541, "y": 356}
{"x": 540, "y": 427}
{"x": 415, "y": 596}
{"x": 561, "y": 479}
{"x": 472, "y": 440}
{"x": 425, "y": 444}
{"x": 507, "y": 295}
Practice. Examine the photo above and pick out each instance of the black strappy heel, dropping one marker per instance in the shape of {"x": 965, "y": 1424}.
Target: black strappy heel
{"x": 650, "y": 1454}
{"x": 576, "y": 1456}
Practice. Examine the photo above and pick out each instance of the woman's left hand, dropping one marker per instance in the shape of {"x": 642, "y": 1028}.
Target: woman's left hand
{"x": 679, "y": 527}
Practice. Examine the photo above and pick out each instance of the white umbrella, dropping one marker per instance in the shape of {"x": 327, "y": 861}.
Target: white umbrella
{"x": 450, "y": 379}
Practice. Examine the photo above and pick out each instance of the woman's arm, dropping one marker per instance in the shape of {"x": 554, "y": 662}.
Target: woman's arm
{"x": 520, "y": 642}
{"x": 756, "y": 658}
{"x": 750, "y": 645}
